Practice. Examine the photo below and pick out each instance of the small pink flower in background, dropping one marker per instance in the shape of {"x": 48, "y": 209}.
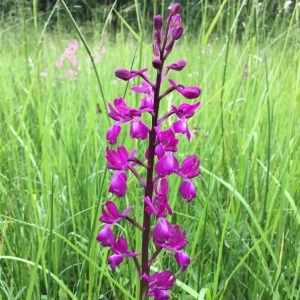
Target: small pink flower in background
{"x": 44, "y": 73}
{"x": 60, "y": 63}
{"x": 73, "y": 60}
{"x": 96, "y": 56}
{"x": 71, "y": 74}
{"x": 73, "y": 46}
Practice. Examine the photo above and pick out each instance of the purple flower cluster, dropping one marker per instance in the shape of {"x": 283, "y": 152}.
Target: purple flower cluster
{"x": 161, "y": 162}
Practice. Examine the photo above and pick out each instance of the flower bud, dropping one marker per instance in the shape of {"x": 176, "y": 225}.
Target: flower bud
{"x": 156, "y": 63}
{"x": 170, "y": 46}
{"x": 177, "y": 33}
{"x": 175, "y": 9}
{"x": 176, "y": 21}
{"x": 157, "y": 22}
{"x": 123, "y": 74}
{"x": 177, "y": 66}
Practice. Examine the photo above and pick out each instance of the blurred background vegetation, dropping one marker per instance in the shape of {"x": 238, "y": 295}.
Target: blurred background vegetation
{"x": 195, "y": 13}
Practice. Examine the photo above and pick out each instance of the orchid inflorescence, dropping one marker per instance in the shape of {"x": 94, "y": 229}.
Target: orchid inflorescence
{"x": 160, "y": 163}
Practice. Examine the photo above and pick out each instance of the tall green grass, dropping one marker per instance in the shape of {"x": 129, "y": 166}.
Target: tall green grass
{"x": 243, "y": 228}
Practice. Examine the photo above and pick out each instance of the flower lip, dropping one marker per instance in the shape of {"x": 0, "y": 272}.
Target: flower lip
{"x": 118, "y": 184}
{"x": 106, "y": 236}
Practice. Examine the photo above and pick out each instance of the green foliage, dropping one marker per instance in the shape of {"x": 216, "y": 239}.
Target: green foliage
{"x": 243, "y": 229}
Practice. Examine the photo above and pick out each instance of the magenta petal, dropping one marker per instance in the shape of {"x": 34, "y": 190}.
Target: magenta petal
{"x": 190, "y": 166}
{"x": 111, "y": 215}
{"x": 173, "y": 83}
{"x": 160, "y": 294}
{"x": 159, "y": 151}
{"x": 182, "y": 259}
{"x": 117, "y": 160}
{"x": 167, "y": 139}
{"x": 106, "y": 236}
{"x": 138, "y": 129}
{"x": 118, "y": 185}
{"x": 150, "y": 208}
{"x": 113, "y": 133}
{"x": 120, "y": 246}
{"x": 126, "y": 211}
{"x": 180, "y": 126}
{"x": 160, "y": 281}
{"x": 114, "y": 260}
{"x": 187, "y": 190}
{"x": 162, "y": 230}
{"x": 167, "y": 165}
{"x": 177, "y": 33}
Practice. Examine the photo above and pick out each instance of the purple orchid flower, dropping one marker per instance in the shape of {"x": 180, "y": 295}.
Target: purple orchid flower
{"x": 190, "y": 167}
{"x": 159, "y": 281}
{"x": 120, "y": 248}
{"x": 167, "y": 139}
{"x": 113, "y": 133}
{"x": 106, "y": 236}
{"x": 121, "y": 112}
{"x": 160, "y": 294}
{"x": 166, "y": 165}
{"x": 184, "y": 112}
{"x": 168, "y": 236}
{"x": 182, "y": 259}
{"x": 112, "y": 215}
{"x": 187, "y": 190}
{"x": 118, "y": 184}
{"x": 138, "y": 129}
{"x": 160, "y": 162}
{"x": 159, "y": 206}
{"x": 118, "y": 160}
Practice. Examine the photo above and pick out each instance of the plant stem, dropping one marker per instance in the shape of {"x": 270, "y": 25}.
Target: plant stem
{"x": 149, "y": 187}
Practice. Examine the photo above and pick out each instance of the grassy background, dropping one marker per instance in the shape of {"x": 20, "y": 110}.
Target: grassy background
{"x": 243, "y": 228}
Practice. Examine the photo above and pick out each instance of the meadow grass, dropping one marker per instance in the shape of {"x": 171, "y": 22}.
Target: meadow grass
{"x": 243, "y": 228}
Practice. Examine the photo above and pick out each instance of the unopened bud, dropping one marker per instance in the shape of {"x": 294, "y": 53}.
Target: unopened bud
{"x": 156, "y": 63}
{"x": 157, "y": 22}
{"x": 123, "y": 74}
{"x": 177, "y": 33}
{"x": 175, "y": 9}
